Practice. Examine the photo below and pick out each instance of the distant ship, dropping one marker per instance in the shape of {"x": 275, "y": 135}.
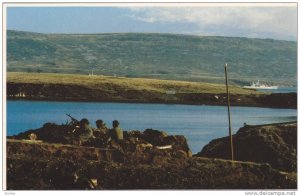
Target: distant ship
{"x": 259, "y": 86}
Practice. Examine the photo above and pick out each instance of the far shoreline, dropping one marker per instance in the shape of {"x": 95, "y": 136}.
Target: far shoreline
{"x": 82, "y": 88}
{"x": 137, "y": 102}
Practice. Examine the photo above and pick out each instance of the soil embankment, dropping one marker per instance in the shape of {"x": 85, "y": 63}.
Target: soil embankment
{"x": 141, "y": 163}
{"x": 50, "y": 166}
{"x": 275, "y": 144}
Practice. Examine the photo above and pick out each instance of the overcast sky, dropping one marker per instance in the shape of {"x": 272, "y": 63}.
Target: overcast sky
{"x": 256, "y": 22}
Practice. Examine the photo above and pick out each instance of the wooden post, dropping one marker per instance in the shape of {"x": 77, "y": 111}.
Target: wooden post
{"x": 228, "y": 108}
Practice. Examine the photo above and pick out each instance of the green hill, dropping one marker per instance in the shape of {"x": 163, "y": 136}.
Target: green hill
{"x": 163, "y": 56}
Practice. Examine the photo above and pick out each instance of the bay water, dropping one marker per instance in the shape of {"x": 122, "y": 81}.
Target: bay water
{"x": 198, "y": 123}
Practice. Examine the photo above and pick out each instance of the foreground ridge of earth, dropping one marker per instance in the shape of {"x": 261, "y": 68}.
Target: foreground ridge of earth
{"x": 275, "y": 144}
{"x": 138, "y": 164}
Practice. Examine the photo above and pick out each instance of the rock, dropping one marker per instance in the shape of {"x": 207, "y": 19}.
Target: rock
{"x": 134, "y": 133}
{"x": 178, "y": 142}
{"x": 189, "y": 153}
{"x": 275, "y": 144}
{"x": 32, "y": 136}
{"x": 155, "y": 133}
{"x": 154, "y": 137}
{"x": 180, "y": 154}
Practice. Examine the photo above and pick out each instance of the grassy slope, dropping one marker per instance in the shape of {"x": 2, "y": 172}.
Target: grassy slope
{"x": 164, "y": 56}
{"x": 122, "y": 83}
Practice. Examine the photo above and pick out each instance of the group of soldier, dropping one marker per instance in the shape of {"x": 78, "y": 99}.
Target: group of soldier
{"x": 101, "y": 135}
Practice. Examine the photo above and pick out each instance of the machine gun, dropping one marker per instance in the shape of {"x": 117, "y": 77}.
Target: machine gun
{"x": 74, "y": 121}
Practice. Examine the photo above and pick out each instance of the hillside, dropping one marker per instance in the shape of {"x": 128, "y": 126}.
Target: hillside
{"x": 164, "y": 56}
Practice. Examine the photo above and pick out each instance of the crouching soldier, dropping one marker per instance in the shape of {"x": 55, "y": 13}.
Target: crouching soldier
{"x": 102, "y": 136}
{"x": 116, "y": 134}
{"x": 101, "y": 128}
{"x": 86, "y": 132}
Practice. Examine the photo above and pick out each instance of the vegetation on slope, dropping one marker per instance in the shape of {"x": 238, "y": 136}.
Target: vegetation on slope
{"x": 165, "y": 56}
{"x": 115, "y": 84}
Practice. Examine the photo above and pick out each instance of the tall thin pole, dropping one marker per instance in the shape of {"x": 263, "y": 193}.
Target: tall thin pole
{"x": 228, "y": 108}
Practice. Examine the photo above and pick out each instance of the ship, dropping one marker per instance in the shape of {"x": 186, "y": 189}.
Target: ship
{"x": 259, "y": 86}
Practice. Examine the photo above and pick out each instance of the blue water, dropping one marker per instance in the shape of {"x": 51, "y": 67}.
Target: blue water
{"x": 281, "y": 90}
{"x": 200, "y": 124}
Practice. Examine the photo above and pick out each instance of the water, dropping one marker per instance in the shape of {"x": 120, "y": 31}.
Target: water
{"x": 280, "y": 90}
{"x": 200, "y": 124}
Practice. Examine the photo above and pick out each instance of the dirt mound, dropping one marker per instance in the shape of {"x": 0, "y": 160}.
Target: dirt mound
{"x": 71, "y": 152}
{"x": 50, "y": 132}
{"x": 145, "y": 160}
{"x": 275, "y": 144}
{"x": 134, "y": 141}
{"x": 194, "y": 173}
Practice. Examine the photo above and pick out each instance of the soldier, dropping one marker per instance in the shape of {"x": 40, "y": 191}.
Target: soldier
{"x": 101, "y": 128}
{"x": 116, "y": 133}
{"x": 86, "y": 132}
{"x": 102, "y": 134}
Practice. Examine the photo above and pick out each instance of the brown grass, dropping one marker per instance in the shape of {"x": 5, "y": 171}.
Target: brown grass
{"x": 101, "y": 82}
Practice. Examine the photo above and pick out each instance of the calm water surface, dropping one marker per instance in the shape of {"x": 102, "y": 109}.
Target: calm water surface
{"x": 281, "y": 90}
{"x": 200, "y": 124}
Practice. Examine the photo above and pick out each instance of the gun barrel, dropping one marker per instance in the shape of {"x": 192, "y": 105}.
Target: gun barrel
{"x": 72, "y": 118}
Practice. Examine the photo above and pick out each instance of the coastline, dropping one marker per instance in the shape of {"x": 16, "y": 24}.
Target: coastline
{"x": 280, "y": 100}
{"x": 83, "y": 88}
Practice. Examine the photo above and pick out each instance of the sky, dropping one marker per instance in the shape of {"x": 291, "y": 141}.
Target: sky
{"x": 275, "y": 22}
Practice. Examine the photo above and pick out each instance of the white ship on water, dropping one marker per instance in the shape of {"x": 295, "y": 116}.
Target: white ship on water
{"x": 259, "y": 86}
